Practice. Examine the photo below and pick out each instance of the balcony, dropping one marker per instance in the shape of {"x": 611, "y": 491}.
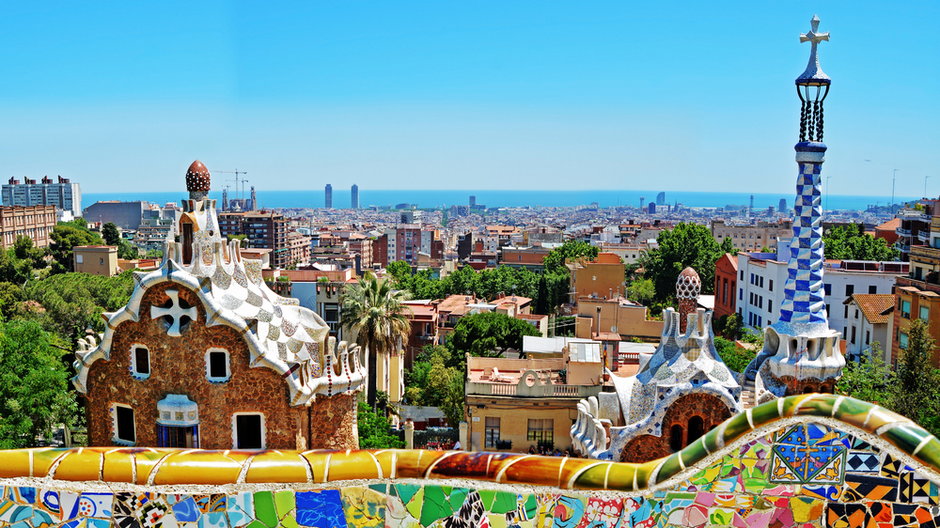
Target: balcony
{"x": 903, "y": 232}
{"x": 923, "y": 236}
{"x": 523, "y": 390}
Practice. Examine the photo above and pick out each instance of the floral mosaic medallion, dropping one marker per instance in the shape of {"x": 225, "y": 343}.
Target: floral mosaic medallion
{"x": 809, "y": 454}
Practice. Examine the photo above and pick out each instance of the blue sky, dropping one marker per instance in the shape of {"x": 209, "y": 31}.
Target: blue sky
{"x": 485, "y": 95}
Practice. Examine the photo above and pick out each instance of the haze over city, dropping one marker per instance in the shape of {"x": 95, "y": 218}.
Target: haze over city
{"x": 442, "y": 96}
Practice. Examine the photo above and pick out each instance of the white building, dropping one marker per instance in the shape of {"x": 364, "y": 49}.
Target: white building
{"x": 869, "y": 325}
{"x": 63, "y": 194}
{"x": 761, "y": 277}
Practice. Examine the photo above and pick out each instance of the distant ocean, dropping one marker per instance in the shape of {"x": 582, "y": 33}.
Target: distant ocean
{"x": 492, "y": 198}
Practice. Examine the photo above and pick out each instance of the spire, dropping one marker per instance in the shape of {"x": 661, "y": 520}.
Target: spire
{"x": 688, "y": 287}
{"x": 812, "y": 86}
{"x": 804, "y": 304}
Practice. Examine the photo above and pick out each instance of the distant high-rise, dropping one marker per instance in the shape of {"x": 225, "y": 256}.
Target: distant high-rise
{"x": 473, "y": 200}
{"x": 652, "y": 208}
{"x": 354, "y": 197}
{"x": 661, "y": 198}
{"x": 642, "y": 200}
{"x": 328, "y": 196}
{"x": 782, "y": 207}
{"x": 253, "y": 206}
{"x": 63, "y": 194}
{"x": 750, "y": 209}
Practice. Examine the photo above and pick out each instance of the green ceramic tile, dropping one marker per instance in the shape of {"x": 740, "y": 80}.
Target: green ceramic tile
{"x": 435, "y": 506}
{"x": 284, "y": 503}
{"x": 505, "y": 502}
{"x": 817, "y": 406}
{"x": 406, "y": 491}
{"x": 712, "y": 439}
{"x": 456, "y": 497}
{"x": 930, "y": 453}
{"x": 906, "y": 436}
{"x": 264, "y": 507}
{"x": 669, "y": 468}
{"x": 487, "y": 497}
{"x": 381, "y": 488}
{"x": 693, "y": 453}
{"x": 736, "y": 426}
{"x": 592, "y": 478}
{"x": 765, "y": 413}
{"x": 531, "y": 506}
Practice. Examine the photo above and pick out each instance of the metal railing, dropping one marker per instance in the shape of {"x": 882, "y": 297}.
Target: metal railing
{"x": 536, "y": 391}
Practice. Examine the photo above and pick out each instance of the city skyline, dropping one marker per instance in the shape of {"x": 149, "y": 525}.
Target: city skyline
{"x": 452, "y": 98}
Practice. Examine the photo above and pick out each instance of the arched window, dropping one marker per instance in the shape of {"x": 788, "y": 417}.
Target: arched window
{"x": 696, "y": 429}
{"x": 675, "y": 437}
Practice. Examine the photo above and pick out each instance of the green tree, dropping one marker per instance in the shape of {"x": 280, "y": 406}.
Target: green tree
{"x": 730, "y": 326}
{"x": 34, "y": 385}
{"x": 73, "y": 302}
{"x": 852, "y": 243}
{"x": 735, "y": 357}
{"x": 915, "y": 384}
{"x": 868, "y": 379}
{"x": 373, "y": 311}
{"x": 10, "y": 296}
{"x": 572, "y": 249}
{"x": 641, "y": 291}
{"x": 488, "y": 334}
{"x": 683, "y": 246}
{"x": 110, "y": 234}
{"x": 65, "y": 236}
{"x": 375, "y": 431}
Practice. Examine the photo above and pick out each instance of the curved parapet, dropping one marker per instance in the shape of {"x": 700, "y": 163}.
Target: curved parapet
{"x": 818, "y": 459}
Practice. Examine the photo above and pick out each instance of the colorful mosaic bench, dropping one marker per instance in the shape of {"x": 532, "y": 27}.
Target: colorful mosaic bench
{"x": 816, "y": 460}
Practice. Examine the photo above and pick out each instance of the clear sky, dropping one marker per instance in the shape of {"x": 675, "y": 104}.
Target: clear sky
{"x": 466, "y": 95}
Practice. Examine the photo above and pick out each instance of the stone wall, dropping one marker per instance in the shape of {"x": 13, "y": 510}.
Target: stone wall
{"x": 178, "y": 366}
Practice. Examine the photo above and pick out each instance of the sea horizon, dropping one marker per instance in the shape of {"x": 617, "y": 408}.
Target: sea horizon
{"x": 436, "y": 199}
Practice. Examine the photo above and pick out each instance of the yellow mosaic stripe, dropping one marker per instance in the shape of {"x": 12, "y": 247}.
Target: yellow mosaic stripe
{"x": 163, "y": 466}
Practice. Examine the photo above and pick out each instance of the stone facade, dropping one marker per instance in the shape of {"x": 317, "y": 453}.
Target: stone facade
{"x": 709, "y": 409}
{"x": 205, "y": 355}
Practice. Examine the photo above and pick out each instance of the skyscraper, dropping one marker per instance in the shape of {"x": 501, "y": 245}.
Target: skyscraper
{"x": 473, "y": 201}
{"x": 328, "y": 196}
{"x": 354, "y": 197}
{"x": 782, "y": 207}
{"x": 661, "y": 198}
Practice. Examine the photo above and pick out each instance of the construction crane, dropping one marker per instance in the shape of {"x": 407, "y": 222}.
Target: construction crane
{"x": 237, "y": 180}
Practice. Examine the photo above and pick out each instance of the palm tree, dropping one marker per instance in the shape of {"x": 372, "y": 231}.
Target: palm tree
{"x": 372, "y": 309}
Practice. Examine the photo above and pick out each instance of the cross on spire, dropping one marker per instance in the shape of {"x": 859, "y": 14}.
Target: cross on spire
{"x": 814, "y": 72}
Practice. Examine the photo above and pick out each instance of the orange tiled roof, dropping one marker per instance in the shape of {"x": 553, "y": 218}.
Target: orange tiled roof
{"x": 875, "y": 306}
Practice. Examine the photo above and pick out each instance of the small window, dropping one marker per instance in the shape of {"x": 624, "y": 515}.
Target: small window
{"x": 675, "y": 438}
{"x": 492, "y": 431}
{"x": 124, "y": 430}
{"x": 217, "y": 365}
{"x": 828, "y": 289}
{"x": 845, "y": 311}
{"x": 849, "y": 289}
{"x": 140, "y": 362}
{"x": 248, "y": 431}
{"x": 80, "y": 259}
{"x": 873, "y": 289}
{"x": 925, "y": 313}
{"x": 906, "y": 309}
{"x": 771, "y": 285}
{"x": 541, "y": 431}
{"x": 902, "y": 341}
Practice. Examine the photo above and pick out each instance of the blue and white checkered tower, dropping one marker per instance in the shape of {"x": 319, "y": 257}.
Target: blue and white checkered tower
{"x": 801, "y": 352}
{"x": 804, "y": 304}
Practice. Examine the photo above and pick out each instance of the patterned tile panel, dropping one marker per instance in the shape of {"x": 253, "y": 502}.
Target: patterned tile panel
{"x": 804, "y": 472}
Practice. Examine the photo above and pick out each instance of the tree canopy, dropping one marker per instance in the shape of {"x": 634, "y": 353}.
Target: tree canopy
{"x": 34, "y": 385}
{"x": 572, "y": 249}
{"x": 72, "y": 302}
{"x": 685, "y": 245}
{"x": 433, "y": 381}
{"x": 375, "y": 430}
{"x": 852, "y": 243}
{"x": 65, "y": 236}
{"x": 488, "y": 334}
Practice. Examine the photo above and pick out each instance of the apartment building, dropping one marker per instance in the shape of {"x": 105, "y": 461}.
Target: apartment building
{"x": 761, "y": 278}
{"x": 35, "y": 222}
{"x": 62, "y": 193}
{"x": 869, "y": 323}
{"x": 752, "y": 237}
{"x": 264, "y": 229}
{"x": 726, "y": 285}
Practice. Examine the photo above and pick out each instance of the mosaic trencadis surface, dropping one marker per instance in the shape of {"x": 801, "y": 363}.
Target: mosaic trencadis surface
{"x": 814, "y": 461}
